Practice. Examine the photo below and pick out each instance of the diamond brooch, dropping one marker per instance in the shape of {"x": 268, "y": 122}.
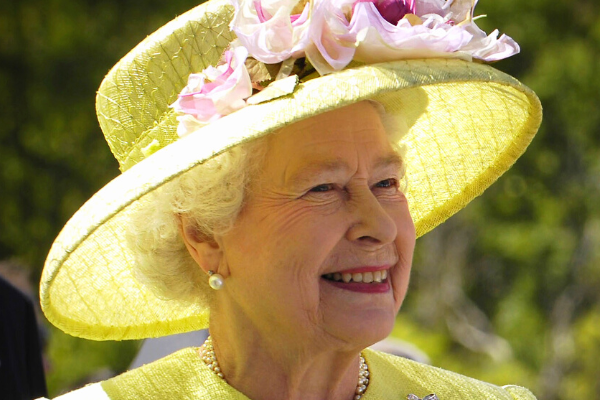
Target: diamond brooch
{"x": 428, "y": 397}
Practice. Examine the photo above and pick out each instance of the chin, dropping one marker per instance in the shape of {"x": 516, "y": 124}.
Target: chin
{"x": 363, "y": 329}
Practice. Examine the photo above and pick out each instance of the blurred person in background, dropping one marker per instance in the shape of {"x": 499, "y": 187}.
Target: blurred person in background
{"x": 21, "y": 362}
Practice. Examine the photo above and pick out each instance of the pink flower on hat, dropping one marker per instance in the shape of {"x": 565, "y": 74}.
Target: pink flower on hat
{"x": 331, "y": 45}
{"x": 270, "y": 30}
{"x": 437, "y": 28}
{"x": 214, "y": 92}
{"x": 392, "y": 10}
{"x": 331, "y": 34}
{"x": 430, "y": 36}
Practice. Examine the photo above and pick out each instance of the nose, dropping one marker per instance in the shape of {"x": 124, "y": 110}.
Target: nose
{"x": 371, "y": 224}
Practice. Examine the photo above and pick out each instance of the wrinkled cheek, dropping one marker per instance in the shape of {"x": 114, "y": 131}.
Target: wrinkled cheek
{"x": 406, "y": 247}
{"x": 298, "y": 292}
{"x": 311, "y": 305}
{"x": 407, "y": 237}
{"x": 401, "y": 277}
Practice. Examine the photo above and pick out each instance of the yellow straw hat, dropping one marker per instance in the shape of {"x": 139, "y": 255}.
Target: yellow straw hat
{"x": 468, "y": 124}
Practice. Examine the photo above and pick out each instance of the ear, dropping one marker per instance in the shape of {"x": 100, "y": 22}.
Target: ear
{"x": 205, "y": 250}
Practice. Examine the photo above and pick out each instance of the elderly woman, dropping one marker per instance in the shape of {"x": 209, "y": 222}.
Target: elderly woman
{"x": 278, "y": 199}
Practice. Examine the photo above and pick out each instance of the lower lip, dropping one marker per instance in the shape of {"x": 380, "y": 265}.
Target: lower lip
{"x": 382, "y": 287}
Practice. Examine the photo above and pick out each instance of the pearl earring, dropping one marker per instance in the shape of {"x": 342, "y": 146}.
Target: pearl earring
{"x": 215, "y": 281}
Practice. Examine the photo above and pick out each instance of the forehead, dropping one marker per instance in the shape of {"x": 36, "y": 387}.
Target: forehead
{"x": 353, "y": 130}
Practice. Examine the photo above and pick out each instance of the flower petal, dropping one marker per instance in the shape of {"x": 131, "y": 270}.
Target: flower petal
{"x": 188, "y": 124}
{"x": 425, "y": 7}
{"x": 489, "y": 47}
{"x": 202, "y": 102}
{"x": 462, "y": 10}
{"x": 269, "y": 31}
{"x": 332, "y": 46}
{"x": 380, "y": 41}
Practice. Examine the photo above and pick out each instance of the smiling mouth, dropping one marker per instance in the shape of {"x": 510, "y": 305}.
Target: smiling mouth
{"x": 359, "y": 277}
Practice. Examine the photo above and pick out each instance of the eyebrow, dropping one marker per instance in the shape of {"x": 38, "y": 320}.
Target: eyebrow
{"x": 306, "y": 175}
{"x": 392, "y": 159}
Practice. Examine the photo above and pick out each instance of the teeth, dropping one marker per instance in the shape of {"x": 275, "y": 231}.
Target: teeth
{"x": 377, "y": 276}
{"x": 365, "y": 277}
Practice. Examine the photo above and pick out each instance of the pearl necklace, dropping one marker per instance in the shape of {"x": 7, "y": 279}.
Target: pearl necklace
{"x": 207, "y": 353}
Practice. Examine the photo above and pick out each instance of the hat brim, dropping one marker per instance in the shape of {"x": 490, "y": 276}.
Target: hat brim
{"x": 468, "y": 124}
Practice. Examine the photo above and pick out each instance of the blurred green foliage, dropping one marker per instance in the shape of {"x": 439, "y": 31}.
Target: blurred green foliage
{"x": 505, "y": 291}
{"x": 74, "y": 362}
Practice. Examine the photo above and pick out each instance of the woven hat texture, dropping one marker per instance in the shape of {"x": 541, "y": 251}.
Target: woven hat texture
{"x": 468, "y": 124}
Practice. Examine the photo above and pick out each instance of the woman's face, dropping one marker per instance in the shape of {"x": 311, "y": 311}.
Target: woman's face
{"x": 325, "y": 205}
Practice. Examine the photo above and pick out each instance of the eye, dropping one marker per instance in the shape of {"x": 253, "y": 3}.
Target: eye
{"x": 387, "y": 183}
{"x": 322, "y": 188}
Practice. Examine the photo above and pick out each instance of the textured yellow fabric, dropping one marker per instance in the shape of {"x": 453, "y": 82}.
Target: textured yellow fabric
{"x": 183, "y": 375}
{"x": 468, "y": 124}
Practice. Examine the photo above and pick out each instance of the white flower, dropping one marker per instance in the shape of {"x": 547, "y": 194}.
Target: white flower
{"x": 269, "y": 30}
{"x": 332, "y": 46}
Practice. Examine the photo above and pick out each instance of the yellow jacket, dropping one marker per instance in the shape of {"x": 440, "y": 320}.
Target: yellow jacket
{"x": 182, "y": 375}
